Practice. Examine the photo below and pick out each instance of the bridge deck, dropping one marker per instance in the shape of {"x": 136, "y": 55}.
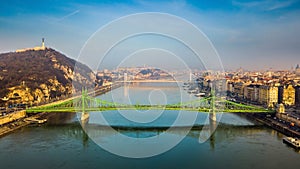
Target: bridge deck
{"x": 145, "y": 107}
{"x": 87, "y": 103}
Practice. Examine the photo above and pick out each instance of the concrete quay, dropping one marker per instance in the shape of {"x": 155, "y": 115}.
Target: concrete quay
{"x": 275, "y": 123}
{"x": 18, "y": 121}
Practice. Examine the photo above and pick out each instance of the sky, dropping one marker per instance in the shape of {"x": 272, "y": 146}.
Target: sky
{"x": 254, "y": 35}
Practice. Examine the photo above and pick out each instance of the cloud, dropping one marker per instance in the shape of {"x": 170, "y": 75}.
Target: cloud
{"x": 279, "y": 5}
{"x": 266, "y": 5}
{"x": 68, "y": 15}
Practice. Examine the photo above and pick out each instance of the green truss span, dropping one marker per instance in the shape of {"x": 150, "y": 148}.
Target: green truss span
{"x": 86, "y": 103}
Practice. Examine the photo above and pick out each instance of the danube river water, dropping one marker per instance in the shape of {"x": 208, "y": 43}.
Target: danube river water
{"x": 63, "y": 143}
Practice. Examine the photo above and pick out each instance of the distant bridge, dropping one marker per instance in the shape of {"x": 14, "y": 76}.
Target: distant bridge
{"x": 151, "y": 81}
{"x": 87, "y": 103}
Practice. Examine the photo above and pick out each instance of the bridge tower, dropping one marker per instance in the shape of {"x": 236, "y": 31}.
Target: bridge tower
{"x": 212, "y": 129}
{"x": 191, "y": 75}
{"x": 84, "y": 114}
{"x": 125, "y": 78}
{"x": 212, "y": 114}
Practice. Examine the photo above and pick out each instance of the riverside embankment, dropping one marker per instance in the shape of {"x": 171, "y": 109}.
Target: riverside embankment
{"x": 274, "y": 122}
{"x": 19, "y": 119}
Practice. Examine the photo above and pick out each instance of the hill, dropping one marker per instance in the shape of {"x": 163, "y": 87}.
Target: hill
{"x": 36, "y": 76}
{"x": 153, "y": 73}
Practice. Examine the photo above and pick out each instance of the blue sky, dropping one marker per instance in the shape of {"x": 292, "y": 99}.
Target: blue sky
{"x": 250, "y": 34}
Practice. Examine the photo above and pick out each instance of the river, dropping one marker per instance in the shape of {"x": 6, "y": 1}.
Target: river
{"x": 63, "y": 143}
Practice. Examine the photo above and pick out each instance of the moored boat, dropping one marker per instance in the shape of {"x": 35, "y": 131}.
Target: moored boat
{"x": 200, "y": 94}
{"x": 192, "y": 91}
{"x": 294, "y": 142}
{"x": 35, "y": 120}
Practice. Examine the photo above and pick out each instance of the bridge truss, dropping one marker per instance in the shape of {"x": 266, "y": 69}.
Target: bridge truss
{"x": 87, "y": 103}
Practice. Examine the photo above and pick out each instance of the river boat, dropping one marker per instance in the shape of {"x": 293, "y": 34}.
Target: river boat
{"x": 193, "y": 91}
{"x": 199, "y": 94}
{"x": 35, "y": 120}
{"x": 294, "y": 142}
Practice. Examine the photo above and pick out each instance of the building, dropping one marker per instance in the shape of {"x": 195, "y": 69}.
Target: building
{"x": 268, "y": 95}
{"x": 251, "y": 92}
{"x": 280, "y": 94}
{"x": 297, "y": 70}
{"x": 263, "y": 94}
{"x": 35, "y": 48}
{"x": 297, "y": 97}
{"x": 280, "y": 108}
{"x": 220, "y": 87}
{"x": 238, "y": 89}
{"x": 248, "y": 92}
{"x": 256, "y": 93}
{"x": 229, "y": 87}
{"x": 288, "y": 97}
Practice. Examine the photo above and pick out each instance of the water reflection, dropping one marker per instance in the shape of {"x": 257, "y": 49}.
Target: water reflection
{"x": 60, "y": 118}
{"x": 212, "y": 128}
{"x": 226, "y": 130}
{"x": 222, "y": 133}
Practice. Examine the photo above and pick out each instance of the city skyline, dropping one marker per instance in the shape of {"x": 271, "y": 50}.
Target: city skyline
{"x": 249, "y": 34}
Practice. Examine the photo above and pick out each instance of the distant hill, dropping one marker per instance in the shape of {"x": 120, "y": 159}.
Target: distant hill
{"x": 152, "y": 73}
{"x": 36, "y": 76}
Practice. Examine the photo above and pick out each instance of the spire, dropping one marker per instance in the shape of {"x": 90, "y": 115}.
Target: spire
{"x": 297, "y": 67}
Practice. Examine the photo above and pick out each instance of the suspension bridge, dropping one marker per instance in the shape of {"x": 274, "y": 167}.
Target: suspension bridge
{"x": 87, "y": 103}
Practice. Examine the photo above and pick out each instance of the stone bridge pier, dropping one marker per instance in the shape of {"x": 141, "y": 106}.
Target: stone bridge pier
{"x": 84, "y": 116}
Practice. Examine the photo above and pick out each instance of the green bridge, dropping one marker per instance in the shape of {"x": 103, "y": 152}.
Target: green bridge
{"x": 87, "y": 103}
